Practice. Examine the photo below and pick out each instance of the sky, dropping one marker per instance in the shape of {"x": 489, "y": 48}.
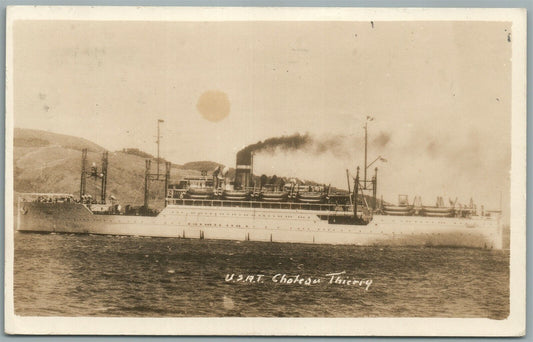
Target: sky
{"x": 439, "y": 94}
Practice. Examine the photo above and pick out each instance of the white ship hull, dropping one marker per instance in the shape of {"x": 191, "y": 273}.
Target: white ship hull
{"x": 259, "y": 224}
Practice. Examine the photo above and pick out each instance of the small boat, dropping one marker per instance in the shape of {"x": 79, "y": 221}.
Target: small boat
{"x": 274, "y": 196}
{"x": 438, "y": 214}
{"x": 437, "y": 211}
{"x": 200, "y": 193}
{"x": 236, "y": 195}
{"x": 400, "y": 210}
{"x": 398, "y": 213}
{"x": 311, "y": 197}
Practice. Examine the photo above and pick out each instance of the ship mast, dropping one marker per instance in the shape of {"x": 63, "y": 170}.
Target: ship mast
{"x": 363, "y": 185}
{"x": 159, "y": 121}
{"x": 103, "y": 175}
{"x": 83, "y": 172}
{"x": 349, "y": 191}
{"x": 366, "y": 143}
{"x": 93, "y": 172}
{"x": 368, "y": 118}
{"x": 149, "y": 176}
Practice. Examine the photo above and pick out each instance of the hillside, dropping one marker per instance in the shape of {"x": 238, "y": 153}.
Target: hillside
{"x": 32, "y": 138}
{"x": 49, "y": 162}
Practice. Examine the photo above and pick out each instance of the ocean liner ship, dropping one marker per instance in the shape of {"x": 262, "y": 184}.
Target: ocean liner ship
{"x": 215, "y": 207}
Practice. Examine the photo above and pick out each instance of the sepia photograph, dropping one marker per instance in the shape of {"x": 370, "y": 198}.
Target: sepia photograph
{"x": 265, "y": 171}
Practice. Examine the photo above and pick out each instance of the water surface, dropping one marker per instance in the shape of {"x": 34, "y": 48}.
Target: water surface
{"x": 91, "y": 275}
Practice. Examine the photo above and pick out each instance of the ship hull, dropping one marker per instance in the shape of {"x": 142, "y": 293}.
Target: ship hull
{"x": 259, "y": 224}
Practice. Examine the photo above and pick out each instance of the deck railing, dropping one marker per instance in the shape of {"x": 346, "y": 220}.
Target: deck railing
{"x": 259, "y": 204}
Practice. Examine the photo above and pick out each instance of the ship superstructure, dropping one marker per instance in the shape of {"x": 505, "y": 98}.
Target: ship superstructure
{"x": 212, "y": 206}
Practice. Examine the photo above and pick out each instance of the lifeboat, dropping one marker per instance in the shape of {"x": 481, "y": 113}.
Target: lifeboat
{"x": 274, "y": 196}
{"x": 311, "y": 197}
{"x": 200, "y": 193}
{"x": 236, "y": 195}
{"x": 437, "y": 211}
{"x": 397, "y": 210}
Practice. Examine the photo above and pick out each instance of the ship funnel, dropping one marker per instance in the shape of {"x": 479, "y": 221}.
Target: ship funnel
{"x": 243, "y": 172}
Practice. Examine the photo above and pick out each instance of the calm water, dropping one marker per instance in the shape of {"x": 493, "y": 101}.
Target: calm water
{"x": 85, "y": 275}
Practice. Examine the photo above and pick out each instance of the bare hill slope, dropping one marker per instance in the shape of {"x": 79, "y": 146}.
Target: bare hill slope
{"x": 49, "y": 162}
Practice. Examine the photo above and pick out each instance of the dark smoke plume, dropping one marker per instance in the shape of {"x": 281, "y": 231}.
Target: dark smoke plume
{"x": 336, "y": 144}
{"x": 381, "y": 140}
{"x": 291, "y": 142}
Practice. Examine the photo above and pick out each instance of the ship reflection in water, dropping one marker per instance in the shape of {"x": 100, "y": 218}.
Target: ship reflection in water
{"x": 89, "y": 275}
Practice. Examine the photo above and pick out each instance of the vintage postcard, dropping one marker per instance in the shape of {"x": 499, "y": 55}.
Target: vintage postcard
{"x": 265, "y": 171}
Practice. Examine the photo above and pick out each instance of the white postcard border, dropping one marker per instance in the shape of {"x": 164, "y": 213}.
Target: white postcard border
{"x": 514, "y": 325}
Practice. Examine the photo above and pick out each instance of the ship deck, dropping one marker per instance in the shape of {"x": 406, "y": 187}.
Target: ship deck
{"x": 262, "y": 205}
